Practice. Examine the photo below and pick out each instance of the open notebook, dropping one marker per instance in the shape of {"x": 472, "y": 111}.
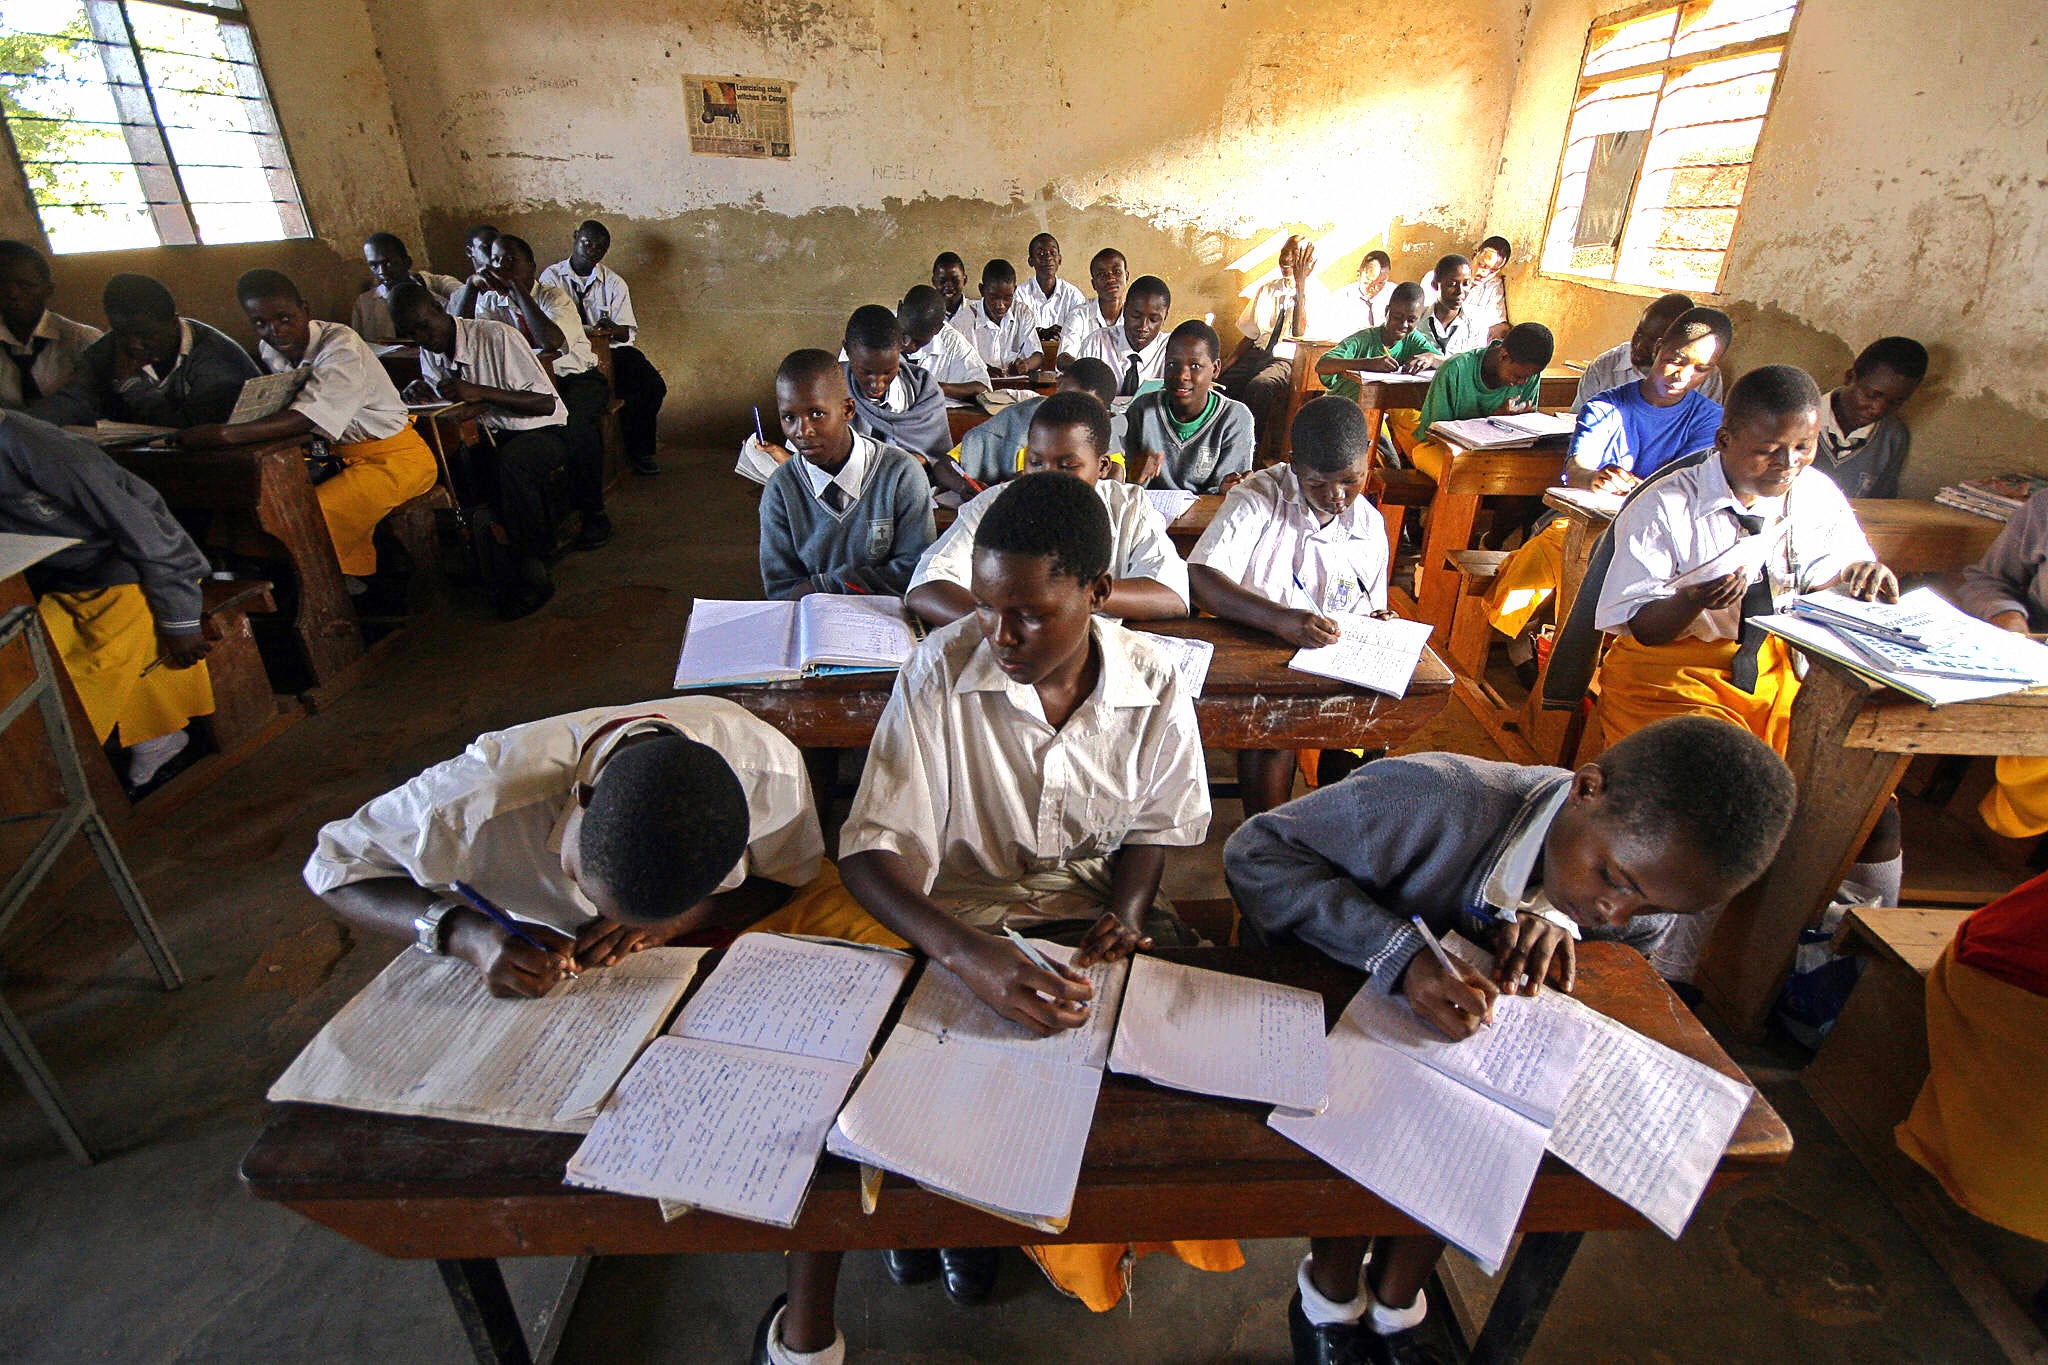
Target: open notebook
{"x": 730, "y": 1110}
{"x": 1506, "y": 431}
{"x": 1919, "y": 645}
{"x": 977, "y": 1108}
{"x": 1218, "y": 1034}
{"x": 1370, "y": 652}
{"x": 266, "y": 395}
{"x": 427, "y": 1038}
{"x": 749, "y": 642}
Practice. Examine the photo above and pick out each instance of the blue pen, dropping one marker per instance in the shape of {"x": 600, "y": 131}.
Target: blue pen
{"x": 759, "y": 434}
{"x": 501, "y": 919}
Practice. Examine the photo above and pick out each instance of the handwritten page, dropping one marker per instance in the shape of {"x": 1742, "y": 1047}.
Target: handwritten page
{"x": 1370, "y": 652}
{"x": 1525, "y": 1060}
{"x": 1217, "y": 1034}
{"x": 427, "y": 1038}
{"x": 728, "y": 642}
{"x": 267, "y": 395}
{"x": 1448, "y": 1157}
{"x": 755, "y": 462}
{"x": 1170, "y": 503}
{"x": 800, "y": 996}
{"x": 1190, "y": 659}
{"x": 942, "y": 1006}
{"x": 856, "y": 632}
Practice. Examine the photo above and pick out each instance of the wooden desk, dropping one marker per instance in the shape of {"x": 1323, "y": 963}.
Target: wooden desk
{"x": 400, "y": 361}
{"x": 1160, "y": 1165}
{"x": 1184, "y": 530}
{"x": 1469, "y": 476}
{"x": 1380, "y": 394}
{"x": 960, "y": 421}
{"x": 263, "y": 506}
{"x": 1251, "y": 700}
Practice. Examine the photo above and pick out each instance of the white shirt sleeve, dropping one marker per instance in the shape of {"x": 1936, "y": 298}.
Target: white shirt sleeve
{"x": 951, "y": 557}
{"x": 1226, "y": 546}
{"x": 1645, "y": 556}
{"x": 1146, "y": 549}
{"x": 904, "y": 788}
{"x": 1826, "y": 537}
{"x": 408, "y": 832}
{"x": 337, "y": 385}
{"x": 1174, "y": 810}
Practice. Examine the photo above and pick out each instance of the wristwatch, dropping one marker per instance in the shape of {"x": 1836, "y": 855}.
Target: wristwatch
{"x": 430, "y": 933}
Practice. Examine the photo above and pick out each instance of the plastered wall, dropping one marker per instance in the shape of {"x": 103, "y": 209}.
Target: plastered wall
{"x": 1901, "y": 186}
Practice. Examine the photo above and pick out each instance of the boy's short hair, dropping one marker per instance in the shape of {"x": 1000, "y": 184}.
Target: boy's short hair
{"x": 801, "y": 367}
{"x": 1770, "y": 391}
{"x": 1696, "y": 323}
{"x": 1406, "y": 292}
{"x": 483, "y": 232}
{"x": 1071, "y": 409}
{"x": 874, "y": 328}
{"x": 1200, "y": 331}
{"x": 409, "y": 299}
{"x": 1529, "y": 343}
{"x": 131, "y": 295}
{"x": 1099, "y": 257}
{"x": 1500, "y": 244}
{"x": 1096, "y": 377}
{"x": 667, "y": 820}
{"x": 948, "y": 258}
{"x": 1050, "y": 516}
{"x": 1032, "y": 245}
{"x": 386, "y": 241}
{"x": 516, "y": 246}
{"x": 1714, "y": 785}
{"x": 1903, "y": 356}
{"x": 924, "y": 301}
{"x": 1448, "y": 265}
{"x": 12, "y": 251}
{"x": 998, "y": 271}
{"x": 266, "y": 284}
{"x": 1329, "y": 435}
{"x": 1386, "y": 261}
{"x": 595, "y": 229}
{"x": 1149, "y": 284}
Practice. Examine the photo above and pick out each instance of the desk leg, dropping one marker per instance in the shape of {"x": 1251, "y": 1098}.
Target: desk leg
{"x": 477, "y": 1288}
{"x": 1451, "y": 517}
{"x": 1533, "y": 1277}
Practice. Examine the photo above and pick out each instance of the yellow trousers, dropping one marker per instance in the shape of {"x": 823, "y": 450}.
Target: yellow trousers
{"x": 1095, "y": 1273}
{"x": 107, "y": 639}
{"x": 1526, "y": 580}
{"x": 2018, "y": 806}
{"x": 1640, "y": 683}
{"x": 376, "y": 477}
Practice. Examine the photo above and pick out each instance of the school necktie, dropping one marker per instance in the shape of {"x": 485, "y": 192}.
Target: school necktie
{"x": 1285, "y": 306}
{"x": 1757, "y": 601}
{"x": 580, "y": 295}
{"x": 836, "y": 498}
{"x": 24, "y": 359}
{"x": 1129, "y": 385}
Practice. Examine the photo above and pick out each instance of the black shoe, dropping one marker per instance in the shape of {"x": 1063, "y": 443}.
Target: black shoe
{"x": 760, "y": 1356}
{"x": 911, "y": 1265}
{"x": 1337, "y": 1344}
{"x": 1401, "y": 1348}
{"x": 643, "y": 464}
{"x": 596, "y": 530}
{"x": 970, "y": 1273}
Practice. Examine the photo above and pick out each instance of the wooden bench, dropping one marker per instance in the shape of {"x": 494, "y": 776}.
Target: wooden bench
{"x": 1394, "y": 491}
{"x": 244, "y": 706}
{"x": 1476, "y": 570}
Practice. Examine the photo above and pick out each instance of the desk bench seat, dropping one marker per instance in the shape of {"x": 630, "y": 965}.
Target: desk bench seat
{"x": 243, "y": 704}
{"x": 1476, "y": 570}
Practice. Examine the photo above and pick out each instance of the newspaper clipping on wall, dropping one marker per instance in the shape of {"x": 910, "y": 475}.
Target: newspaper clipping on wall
{"x": 738, "y": 116}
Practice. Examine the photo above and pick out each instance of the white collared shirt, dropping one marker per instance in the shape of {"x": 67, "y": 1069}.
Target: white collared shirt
{"x": 63, "y": 342}
{"x": 371, "y": 317}
{"x": 493, "y": 815}
{"x": 1464, "y": 334}
{"x": 1046, "y": 310}
{"x": 1688, "y": 516}
{"x": 1112, "y": 345}
{"x": 850, "y": 476}
{"x": 951, "y": 359}
{"x": 997, "y": 343}
{"x": 147, "y": 376}
{"x": 974, "y": 790}
{"x": 1139, "y": 545}
{"x": 1081, "y": 323}
{"x": 1263, "y": 309}
{"x": 348, "y": 397}
{"x": 1267, "y": 539}
{"x": 576, "y": 356}
{"x": 1353, "y": 310}
{"x": 600, "y": 294}
{"x": 1614, "y": 367}
{"x": 497, "y": 357}
{"x": 1835, "y": 441}
{"x": 1487, "y": 303}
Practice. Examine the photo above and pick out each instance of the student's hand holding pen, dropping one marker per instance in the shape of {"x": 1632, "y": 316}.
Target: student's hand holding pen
{"x": 1456, "y": 1002}
{"x": 1306, "y": 629}
{"x": 1109, "y": 939}
{"x": 511, "y": 968}
{"x": 1612, "y": 478}
{"x": 1044, "y": 1001}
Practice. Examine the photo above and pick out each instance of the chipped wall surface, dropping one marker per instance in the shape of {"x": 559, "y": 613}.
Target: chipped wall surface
{"x": 1182, "y": 133}
{"x": 1900, "y": 186}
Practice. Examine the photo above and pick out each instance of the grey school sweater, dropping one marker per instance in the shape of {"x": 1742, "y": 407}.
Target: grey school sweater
{"x": 202, "y": 387}
{"x": 988, "y": 453}
{"x": 1220, "y": 447}
{"x": 1871, "y": 470}
{"x": 920, "y": 429}
{"x": 871, "y": 547}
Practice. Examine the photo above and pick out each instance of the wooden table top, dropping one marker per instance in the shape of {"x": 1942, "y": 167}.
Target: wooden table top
{"x": 1161, "y": 1164}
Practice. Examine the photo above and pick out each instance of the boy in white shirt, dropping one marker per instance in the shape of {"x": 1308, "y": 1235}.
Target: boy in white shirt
{"x": 41, "y": 348}
{"x": 390, "y": 266}
{"x": 604, "y": 305}
{"x": 1110, "y": 273}
{"x": 945, "y": 355}
{"x": 1002, "y": 333}
{"x": 1363, "y": 303}
{"x": 1046, "y": 298}
{"x": 1259, "y": 373}
{"x": 949, "y": 277}
{"x": 1135, "y": 349}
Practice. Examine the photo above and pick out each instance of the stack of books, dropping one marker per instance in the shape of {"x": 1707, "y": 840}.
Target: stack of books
{"x": 1995, "y": 498}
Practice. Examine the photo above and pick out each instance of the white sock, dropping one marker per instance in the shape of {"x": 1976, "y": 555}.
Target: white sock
{"x": 147, "y": 759}
{"x": 1327, "y": 1312}
{"x": 1386, "y": 1321}
{"x": 835, "y": 1354}
{"x": 1877, "y": 883}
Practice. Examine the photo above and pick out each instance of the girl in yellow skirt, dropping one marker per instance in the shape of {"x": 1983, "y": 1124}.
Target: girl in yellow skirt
{"x": 2009, "y": 588}
{"x": 349, "y": 400}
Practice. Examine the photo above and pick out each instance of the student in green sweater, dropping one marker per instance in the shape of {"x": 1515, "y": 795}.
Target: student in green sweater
{"x": 1396, "y": 346}
{"x": 1504, "y": 377}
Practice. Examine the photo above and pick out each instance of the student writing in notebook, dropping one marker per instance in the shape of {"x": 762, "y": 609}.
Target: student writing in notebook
{"x": 599, "y": 832}
{"x": 152, "y": 366}
{"x": 1070, "y": 434}
{"x": 1291, "y": 546}
{"x": 995, "y": 450}
{"x": 849, "y": 514}
{"x": 1394, "y": 346}
{"x": 1033, "y": 767}
{"x": 1187, "y": 434}
{"x": 1672, "y": 822}
{"x": 1502, "y": 376}
{"x": 1136, "y": 347}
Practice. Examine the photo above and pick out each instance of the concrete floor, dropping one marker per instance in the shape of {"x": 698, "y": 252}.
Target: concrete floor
{"x": 156, "y": 1254}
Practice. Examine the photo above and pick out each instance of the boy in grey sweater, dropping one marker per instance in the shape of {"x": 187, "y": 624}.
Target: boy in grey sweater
{"x": 1863, "y": 440}
{"x": 1672, "y": 821}
{"x": 895, "y": 401}
{"x": 1186, "y": 434}
{"x": 847, "y": 514}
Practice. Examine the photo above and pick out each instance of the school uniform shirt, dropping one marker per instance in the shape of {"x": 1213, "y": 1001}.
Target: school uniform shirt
{"x": 950, "y": 359}
{"x": 1197, "y": 456}
{"x": 348, "y": 397}
{"x": 1864, "y": 463}
{"x": 1351, "y": 309}
{"x": 600, "y": 294}
{"x": 1139, "y": 545}
{"x": 987, "y": 804}
{"x": 997, "y": 343}
{"x": 1370, "y": 344}
{"x": 911, "y": 415}
{"x": 1486, "y": 303}
{"x": 371, "y": 317}
{"x": 1081, "y": 323}
{"x": 1463, "y": 333}
{"x": 1267, "y": 539}
{"x": 43, "y": 361}
{"x": 1265, "y": 324}
{"x": 1615, "y": 367}
{"x": 1046, "y": 309}
{"x": 1626, "y": 430}
{"x": 1459, "y": 391}
{"x": 1688, "y": 516}
{"x": 859, "y": 529}
{"x": 199, "y": 386}
{"x": 577, "y": 355}
{"x": 2013, "y": 574}
{"x": 497, "y": 357}
{"x": 492, "y": 816}
{"x": 1112, "y": 346}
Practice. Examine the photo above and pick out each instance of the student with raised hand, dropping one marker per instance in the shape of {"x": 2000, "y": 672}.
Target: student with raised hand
{"x": 1293, "y": 545}
{"x": 1001, "y": 332}
{"x": 152, "y": 366}
{"x": 1394, "y": 346}
{"x": 1070, "y": 434}
{"x": 1135, "y": 349}
{"x": 1503, "y": 376}
{"x": 122, "y": 605}
{"x": 604, "y": 305}
{"x": 848, "y": 514}
{"x": 1259, "y": 372}
{"x": 938, "y": 350}
{"x": 949, "y": 277}
{"x": 1032, "y": 770}
{"x": 40, "y": 350}
{"x": 1671, "y": 822}
{"x": 1187, "y": 434}
{"x": 602, "y": 832}
{"x": 995, "y": 451}
{"x": 1863, "y": 441}
{"x": 1110, "y": 274}
{"x": 1631, "y": 360}
{"x": 1046, "y": 298}
{"x": 2009, "y": 588}
{"x": 347, "y": 400}
{"x": 390, "y": 266}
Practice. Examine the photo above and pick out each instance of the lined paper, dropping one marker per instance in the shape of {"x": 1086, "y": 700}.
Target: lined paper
{"x": 1526, "y": 1059}
{"x": 944, "y": 1007}
{"x": 1219, "y": 1034}
{"x": 1369, "y": 652}
{"x": 801, "y": 996}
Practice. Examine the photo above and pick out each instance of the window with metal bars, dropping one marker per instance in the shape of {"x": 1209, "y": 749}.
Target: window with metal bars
{"x": 144, "y": 123}
{"x": 1671, "y": 101}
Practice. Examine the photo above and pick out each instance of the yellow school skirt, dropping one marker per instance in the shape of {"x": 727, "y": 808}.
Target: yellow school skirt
{"x": 1640, "y": 683}
{"x": 1980, "y": 1125}
{"x": 1095, "y": 1273}
{"x": 1526, "y": 580}
{"x": 2017, "y": 806}
{"x": 107, "y": 638}
{"x": 376, "y": 477}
